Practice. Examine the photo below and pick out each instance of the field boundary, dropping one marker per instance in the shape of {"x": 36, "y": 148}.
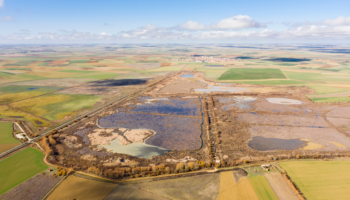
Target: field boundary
{"x": 53, "y": 188}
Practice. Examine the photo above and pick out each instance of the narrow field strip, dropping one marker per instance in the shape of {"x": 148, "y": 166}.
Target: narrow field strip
{"x": 262, "y": 188}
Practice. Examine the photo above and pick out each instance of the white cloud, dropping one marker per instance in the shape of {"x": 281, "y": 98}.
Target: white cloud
{"x": 340, "y": 21}
{"x": 191, "y": 25}
{"x": 237, "y": 22}
{"x": 2, "y": 3}
{"x": 7, "y": 18}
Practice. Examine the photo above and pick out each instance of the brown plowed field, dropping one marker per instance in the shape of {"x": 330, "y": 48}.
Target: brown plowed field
{"x": 280, "y": 187}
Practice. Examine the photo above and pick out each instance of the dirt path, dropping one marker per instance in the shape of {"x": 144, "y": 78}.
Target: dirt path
{"x": 280, "y": 186}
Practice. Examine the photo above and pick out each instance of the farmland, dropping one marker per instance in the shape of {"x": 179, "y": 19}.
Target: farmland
{"x": 320, "y": 179}
{"x": 71, "y": 188}
{"x": 6, "y": 139}
{"x": 249, "y": 74}
{"x": 184, "y": 109}
{"x": 20, "y": 167}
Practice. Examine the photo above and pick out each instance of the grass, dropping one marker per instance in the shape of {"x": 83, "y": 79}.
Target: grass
{"x": 77, "y": 61}
{"x": 4, "y": 74}
{"x": 7, "y": 112}
{"x": 6, "y": 139}
{"x": 79, "y": 188}
{"x": 78, "y": 71}
{"x": 323, "y": 89}
{"x": 19, "y": 167}
{"x": 165, "y": 69}
{"x": 251, "y": 73}
{"x": 6, "y": 134}
{"x": 320, "y": 179}
{"x": 304, "y": 76}
{"x": 330, "y": 99}
{"x": 262, "y": 188}
{"x": 272, "y": 82}
{"x": 57, "y": 106}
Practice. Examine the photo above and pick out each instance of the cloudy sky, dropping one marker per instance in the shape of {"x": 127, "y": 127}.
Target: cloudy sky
{"x": 175, "y": 21}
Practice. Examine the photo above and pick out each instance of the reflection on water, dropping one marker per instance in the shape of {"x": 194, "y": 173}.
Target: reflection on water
{"x": 173, "y": 106}
{"x": 135, "y": 149}
{"x": 265, "y": 144}
{"x": 242, "y": 103}
{"x": 187, "y": 76}
{"x": 221, "y": 88}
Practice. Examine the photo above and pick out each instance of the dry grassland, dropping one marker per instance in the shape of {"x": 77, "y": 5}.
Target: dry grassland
{"x": 79, "y": 188}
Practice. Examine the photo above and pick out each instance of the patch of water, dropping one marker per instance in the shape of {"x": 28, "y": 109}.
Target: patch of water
{"x": 173, "y": 106}
{"x": 172, "y": 132}
{"x": 221, "y": 88}
{"x": 283, "y": 101}
{"x": 265, "y": 144}
{"x": 135, "y": 149}
{"x": 187, "y": 76}
{"x": 242, "y": 103}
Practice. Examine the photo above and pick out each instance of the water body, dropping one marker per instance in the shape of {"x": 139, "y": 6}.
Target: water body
{"x": 172, "y": 132}
{"x": 174, "y": 106}
{"x": 220, "y": 88}
{"x": 283, "y": 101}
{"x": 187, "y": 76}
{"x": 243, "y": 103}
{"x": 135, "y": 149}
{"x": 265, "y": 144}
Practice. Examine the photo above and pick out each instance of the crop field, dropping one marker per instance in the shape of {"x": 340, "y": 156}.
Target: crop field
{"x": 79, "y": 188}
{"x": 198, "y": 187}
{"x": 19, "y": 167}
{"x": 6, "y": 139}
{"x": 320, "y": 179}
{"x": 262, "y": 188}
{"x": 250, "y": 74}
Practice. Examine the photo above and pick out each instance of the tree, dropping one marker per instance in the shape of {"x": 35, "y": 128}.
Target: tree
{"x": 190, "y": 166}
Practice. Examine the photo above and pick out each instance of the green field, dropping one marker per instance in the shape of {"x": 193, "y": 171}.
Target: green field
{"x": 323, "y": 89}
{"x": 250, "y": 74}
{"x": 262, "y": 188}
{"x": 330, "y": 99}
{"x": 272, "y": 82}
{"x": 320, "y": 179}
{"x": 6, "y": 133}
{"x": 304, "y": 76}
{"x": 20, "y": 167}
{"x": 57, "y": 106}
{"x": 6, "y": 139}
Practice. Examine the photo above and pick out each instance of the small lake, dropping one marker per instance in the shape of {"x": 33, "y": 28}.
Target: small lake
{"x": 265, "y": 144}
{"x": 170, "y": 106}
{"x": 220, "y": 88}
{"x": 284, "y": 101}
{"x": 240, "y": 102}
{"x": 135, "y": 149}
{"x": 187, "y": 76}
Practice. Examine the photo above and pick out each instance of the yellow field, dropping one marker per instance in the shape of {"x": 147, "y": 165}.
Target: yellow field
{"x": 79, "y": 188}
{"x": 245, "y": 190}
{"x": 230, "y": 190}
{"x": 320, "y": 179}
{"x": 228, "y": 187}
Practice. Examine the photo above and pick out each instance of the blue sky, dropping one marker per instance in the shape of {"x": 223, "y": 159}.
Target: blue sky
{"x": 63, "y": 21}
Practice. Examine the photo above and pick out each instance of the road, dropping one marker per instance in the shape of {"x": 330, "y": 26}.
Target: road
{"x": 91, "y": 113}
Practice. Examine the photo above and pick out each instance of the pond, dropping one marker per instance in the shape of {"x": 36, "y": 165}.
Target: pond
{"x": 283, "y": 101}
{"x": 172, "y": 132}
{"x": 135, "y": 149}
{"x": 187, "y": 76}
{"x": 169, "y": 106}
{"x": 265, "y": 144}
{"x": 240, "y": 102}
{"x": 220, "y": 88}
